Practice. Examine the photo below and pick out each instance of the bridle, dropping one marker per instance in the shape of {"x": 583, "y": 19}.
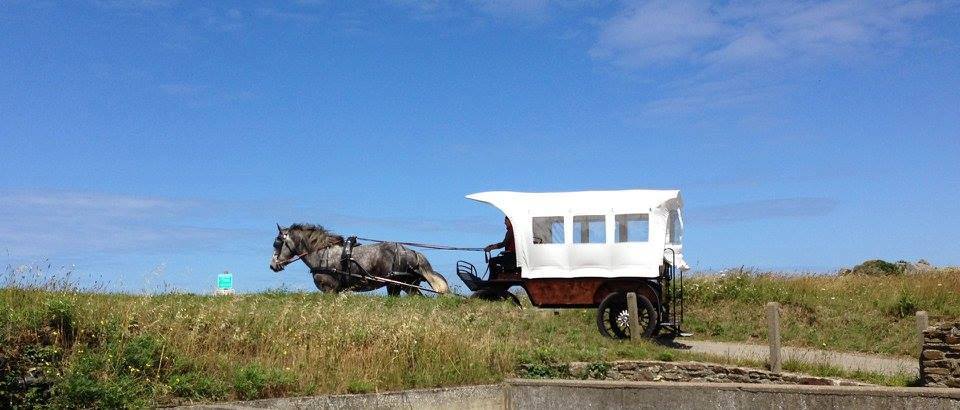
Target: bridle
{"x": 291, "y": 259}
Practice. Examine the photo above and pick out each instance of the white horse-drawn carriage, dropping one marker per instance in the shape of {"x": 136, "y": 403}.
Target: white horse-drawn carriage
{"x": 572, "y": 250}
{"x": 589, "y": 249}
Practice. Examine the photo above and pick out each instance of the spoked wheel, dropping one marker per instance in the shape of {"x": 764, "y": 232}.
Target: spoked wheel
{"x": 496, "y": 296}
{"x": 613, "y": 317}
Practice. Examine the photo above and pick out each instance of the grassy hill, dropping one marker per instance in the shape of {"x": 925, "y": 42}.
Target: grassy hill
{"x": 873, "y": 314}
{"x": 99, "y": 349}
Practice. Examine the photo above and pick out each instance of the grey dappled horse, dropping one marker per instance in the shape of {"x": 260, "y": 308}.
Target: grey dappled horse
{"x": 322, "y": 251}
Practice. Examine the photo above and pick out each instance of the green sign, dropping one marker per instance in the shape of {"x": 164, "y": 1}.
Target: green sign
{"x": 225, "y": 281}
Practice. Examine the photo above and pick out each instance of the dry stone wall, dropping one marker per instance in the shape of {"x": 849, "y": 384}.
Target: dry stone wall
{"x": 940, "y": 358}
{"x": 651, "y": 370}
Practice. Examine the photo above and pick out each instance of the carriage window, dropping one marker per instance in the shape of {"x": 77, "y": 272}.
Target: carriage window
{"x": 548, "y": 229}
{"x": 589, "y": 229}
{"x": 674, "y": 227}
{"x": 633, "y": 227}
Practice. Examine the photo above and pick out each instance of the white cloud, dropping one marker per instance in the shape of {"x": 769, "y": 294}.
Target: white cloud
{"x": 763, "y": 209}
{"x": 134, "y": 4}
{"x": 744, "y": 53}
{"x": 658, "y": 31}
{"x": 744, "y": 32}
{"x": 73, "y": 223}
{"x": 514, "y": 8}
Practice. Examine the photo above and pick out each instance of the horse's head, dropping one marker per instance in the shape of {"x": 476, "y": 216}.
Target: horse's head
{"x": 283, "y": 250}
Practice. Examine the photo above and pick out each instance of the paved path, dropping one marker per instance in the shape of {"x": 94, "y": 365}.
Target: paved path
{"x": 847, "y": 361}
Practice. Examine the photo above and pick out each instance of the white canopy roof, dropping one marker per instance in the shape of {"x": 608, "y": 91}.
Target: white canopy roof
{"x": 611, "y": 254}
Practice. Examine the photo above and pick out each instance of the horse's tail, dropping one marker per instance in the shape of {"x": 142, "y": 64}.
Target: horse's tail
{"x": 437, "y": 282}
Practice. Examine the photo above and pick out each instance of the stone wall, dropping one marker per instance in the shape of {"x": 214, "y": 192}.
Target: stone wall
{"x": 631, "y": 370}
{"x": 580, "y": 394}
{"x": 940, "y": 358}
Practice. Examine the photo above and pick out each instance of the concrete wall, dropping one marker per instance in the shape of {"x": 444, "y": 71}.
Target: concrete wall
{"x": 584, "y": 394}
{"x": 597, "y": 394}
{"x": 487, "y": 397}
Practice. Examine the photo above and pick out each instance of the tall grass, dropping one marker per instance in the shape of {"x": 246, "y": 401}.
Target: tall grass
{"x": 873, "y": 314}
{"x": 70, "y": 348}
{"x": 79, "y": 348}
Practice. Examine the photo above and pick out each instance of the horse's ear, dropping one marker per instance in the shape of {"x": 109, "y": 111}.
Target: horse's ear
{"x": 279, "y": 229}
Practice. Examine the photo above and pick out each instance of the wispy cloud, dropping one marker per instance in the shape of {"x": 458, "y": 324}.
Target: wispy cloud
{"x": 84, "y": 224}
{"x": 746, "y": 32}
{"x": 134, "y": 4}
{"x": 799, "y": 207}
{"x": 56, "y": 223}
{"x": 292, "y": 16}
{"x": 717, "y": 55}
{"x": 417, "y": 225}
{"x": 521, "y": 10}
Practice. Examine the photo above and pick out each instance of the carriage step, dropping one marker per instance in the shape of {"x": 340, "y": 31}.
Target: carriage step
{"x": 676, "y": 329}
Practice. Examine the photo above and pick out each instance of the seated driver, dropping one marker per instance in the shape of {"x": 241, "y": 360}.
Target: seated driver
{"x": 507, "y": 260}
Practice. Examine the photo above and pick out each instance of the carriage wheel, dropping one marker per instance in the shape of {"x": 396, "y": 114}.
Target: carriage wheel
{"x": 613, "y": 317}
{"x": 496, "y": 296}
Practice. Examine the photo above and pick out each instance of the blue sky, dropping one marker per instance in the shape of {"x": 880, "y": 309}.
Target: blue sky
{"x": 154, "y": 143}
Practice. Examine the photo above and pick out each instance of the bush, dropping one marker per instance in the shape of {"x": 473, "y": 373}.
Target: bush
{"x": 597, "y": 370}
{"x": 61, "y": 315}
{"x": 255, "y": 382}
{"x": 84, "y": 386}
{"x": 197, "y": 386}
{"x": 905, "y": 305}
{"x": 141, "y": 355}
{"x": 665, "y": 356}
{"x": 877, "y": 267}
{"x": 360, "y": 386}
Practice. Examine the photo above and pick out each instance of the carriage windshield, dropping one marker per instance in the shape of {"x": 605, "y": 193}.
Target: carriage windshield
{"x": 674, "y": 228}
{"x": 547, "y": 229}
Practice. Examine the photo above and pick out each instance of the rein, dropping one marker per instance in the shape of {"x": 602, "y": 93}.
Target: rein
{"x": 424, "y": 245}
{"x": 293, "y": 259}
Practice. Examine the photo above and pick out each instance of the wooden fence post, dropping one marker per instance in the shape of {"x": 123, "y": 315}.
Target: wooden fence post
{"x": 635, "y": 330}
{"x": 922, "y": 323}
{"x": 773, "y": 336}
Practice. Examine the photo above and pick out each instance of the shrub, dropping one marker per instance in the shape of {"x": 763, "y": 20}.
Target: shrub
{"x": 597, "y": 370}
{"x": 254, "y": 382}
{"x": 87, "y": 384}
{"x": 665, "y": 356}
{"x": 905, "y": 305}
{"x": 141, "y": 355}
{"x": 360, "y": 386}
{"x": 197, "y": 386}
{"x": 544, "y": 371}
{"x": 877, "y": 267}
{"x": 61, "y": 315}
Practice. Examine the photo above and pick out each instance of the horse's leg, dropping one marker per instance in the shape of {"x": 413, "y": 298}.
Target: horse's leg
{"x": 393, "y": 290}
{"x": 411, "y": 290}
{"x": 326, "y": 283}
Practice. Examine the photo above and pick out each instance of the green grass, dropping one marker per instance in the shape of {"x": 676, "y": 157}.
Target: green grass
{"x": 121, "y": 350}
{"x": 116, "y": 350}
{"x": 872, "y": 314}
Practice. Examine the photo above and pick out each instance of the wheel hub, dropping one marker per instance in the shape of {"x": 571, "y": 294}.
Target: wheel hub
{"x": 623, "y": 320}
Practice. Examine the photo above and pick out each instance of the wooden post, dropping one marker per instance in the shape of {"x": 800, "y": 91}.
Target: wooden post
{"x": 773, "y": 336}
{"x": 635, "y": 330}
{"x": 922, "y": 324}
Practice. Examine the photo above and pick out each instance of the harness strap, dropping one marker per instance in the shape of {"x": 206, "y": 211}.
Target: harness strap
{"x": 423, "y": 245}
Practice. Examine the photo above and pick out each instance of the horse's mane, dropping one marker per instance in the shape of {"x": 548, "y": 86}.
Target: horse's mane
{"x": 317, "y": 235}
